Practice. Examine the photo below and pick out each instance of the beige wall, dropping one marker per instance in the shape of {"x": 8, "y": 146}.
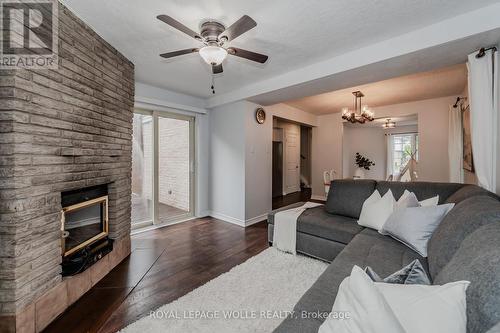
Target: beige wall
{"x": 433, "y": 140}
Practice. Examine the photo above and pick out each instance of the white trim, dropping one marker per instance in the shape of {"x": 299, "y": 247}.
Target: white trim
{"x": 155, "y": 104}
{"x": 318, "y": 197}
{"x": 257, "y": 219}
{"x": 227, "y": 218}
{"x": 238, "y": 222}
{"x": 204, "y": 213}
{"x": 158, "y": 226}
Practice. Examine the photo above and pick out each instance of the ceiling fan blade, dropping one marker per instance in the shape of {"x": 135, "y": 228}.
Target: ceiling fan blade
{"x": 217, "y": 69}
{"x": 179, "y": 26}
{"x": 238, "y": 28}
{"x": 178, "y": 53}
{"x": 247, "y": 54}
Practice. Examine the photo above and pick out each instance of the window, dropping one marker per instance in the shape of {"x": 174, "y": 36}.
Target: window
{"x": 404, "y": 146}
{"x": 162, "y": 168}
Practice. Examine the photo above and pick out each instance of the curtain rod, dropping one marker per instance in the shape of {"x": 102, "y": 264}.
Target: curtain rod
{"x": 401, "y": 133}
{"x": 482, "y": 51}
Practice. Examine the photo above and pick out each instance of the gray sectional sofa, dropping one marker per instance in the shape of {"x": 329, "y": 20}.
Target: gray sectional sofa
{"x": 465, "y": 246}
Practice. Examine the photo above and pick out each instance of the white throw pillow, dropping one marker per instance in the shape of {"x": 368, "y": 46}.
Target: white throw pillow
{"x": 408, "y": 199}
{"x": 397, "y": 307}
{"x": 366, "y": 309}
{"x": 376, "y": 210}
{"x": 430, "y": 202}
{"x": 414, "y": 226}
{"x": 421, "y": 308}
{"x": 427, "y": 202}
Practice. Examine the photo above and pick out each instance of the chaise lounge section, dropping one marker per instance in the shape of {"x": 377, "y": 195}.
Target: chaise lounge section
{"x": 465, "y": 246}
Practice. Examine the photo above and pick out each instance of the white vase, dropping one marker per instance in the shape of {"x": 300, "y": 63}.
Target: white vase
{"x": 359, "y": 173}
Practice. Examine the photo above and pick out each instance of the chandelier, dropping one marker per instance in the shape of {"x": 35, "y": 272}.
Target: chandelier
{"x": 389, "y": 124}
{"x": 360, "y": 114}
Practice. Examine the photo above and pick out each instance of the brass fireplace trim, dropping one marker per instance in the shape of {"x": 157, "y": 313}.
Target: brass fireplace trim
{"x": 103, "y": 199}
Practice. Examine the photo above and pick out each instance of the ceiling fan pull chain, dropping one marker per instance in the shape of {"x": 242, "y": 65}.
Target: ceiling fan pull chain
{"x": 213, "y": 85}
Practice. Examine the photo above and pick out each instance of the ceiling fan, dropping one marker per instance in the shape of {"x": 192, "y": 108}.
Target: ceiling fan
{"x": 214, "y": 36}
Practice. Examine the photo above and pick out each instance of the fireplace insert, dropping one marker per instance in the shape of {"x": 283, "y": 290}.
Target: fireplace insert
{"x": 84, "y": 218}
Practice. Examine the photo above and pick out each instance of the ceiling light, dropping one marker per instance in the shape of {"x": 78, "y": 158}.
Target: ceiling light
{"x": 213, "y": 55}
{"x": 360, "y": 114}
{"x": 389, "y": 124}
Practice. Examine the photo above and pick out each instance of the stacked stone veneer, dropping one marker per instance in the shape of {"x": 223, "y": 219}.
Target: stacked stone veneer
{"x": 60, "y": 130}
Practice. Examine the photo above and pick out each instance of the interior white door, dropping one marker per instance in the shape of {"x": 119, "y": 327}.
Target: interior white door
{"x": 292, "y": 159}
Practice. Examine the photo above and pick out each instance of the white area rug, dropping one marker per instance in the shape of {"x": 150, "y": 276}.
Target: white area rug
{"x": 252, "y": 297}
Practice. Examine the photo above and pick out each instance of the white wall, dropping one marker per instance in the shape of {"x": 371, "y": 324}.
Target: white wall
{"x": 227, "y": 162}
{"x": 433, "y": 140}
{"x": 371, "y": 143}
{"x": 433, "y": 134}
{"x": 259, "y": 157}
{"x": 326, "y": 150}
{"x": 241, "y": 160}
{"x": 258, "y": 165}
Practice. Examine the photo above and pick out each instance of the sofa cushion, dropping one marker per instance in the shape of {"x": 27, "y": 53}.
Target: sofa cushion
{"x": 368, "y": 248}
{"x": 467, "y": 216}
{"x": 346, "y": 196}
{"x": 313, "y": 246}
{"x": 478, "y": 261}
{"x": 423, "y": 190}
{"x": 316, "y": 221}
{"x": 469, "y": 191}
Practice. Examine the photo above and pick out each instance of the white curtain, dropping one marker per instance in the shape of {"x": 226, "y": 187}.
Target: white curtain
{"x": 483, "y": 97}
{"x": 455, "y": 144}
{"x": 390, "y": 162}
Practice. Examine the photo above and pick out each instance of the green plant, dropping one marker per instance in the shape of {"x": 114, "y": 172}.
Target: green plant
{"x": 363, "y": 162}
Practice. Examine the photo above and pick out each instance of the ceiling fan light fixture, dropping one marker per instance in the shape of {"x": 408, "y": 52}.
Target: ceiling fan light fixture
{"x": 213, "y": 55}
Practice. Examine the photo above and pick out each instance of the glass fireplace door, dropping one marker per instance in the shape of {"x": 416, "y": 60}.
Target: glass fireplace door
{"x": 162, "y": 168}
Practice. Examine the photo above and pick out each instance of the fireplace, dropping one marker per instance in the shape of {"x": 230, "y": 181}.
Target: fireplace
{"x": 84, "y": 228}
{"x": 84, "y": 223}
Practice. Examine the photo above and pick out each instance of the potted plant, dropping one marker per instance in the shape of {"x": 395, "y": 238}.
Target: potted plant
{"x": 363, "y": 164}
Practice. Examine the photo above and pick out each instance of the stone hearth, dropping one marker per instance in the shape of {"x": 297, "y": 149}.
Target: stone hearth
{"x": 60, "y": 130}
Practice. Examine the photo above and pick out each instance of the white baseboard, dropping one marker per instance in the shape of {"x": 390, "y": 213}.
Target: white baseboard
{"x": 318, "y": 197}
{"x": 227, "y": 218}
{"x": 256, "y": 219}
{"x": 203, "y": 213}
{"x": 236, "y": 221}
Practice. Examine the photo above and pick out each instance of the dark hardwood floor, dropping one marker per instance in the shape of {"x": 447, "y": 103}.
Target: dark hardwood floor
{"x": 285, "y": 200}
{"x": 164, "y": 265}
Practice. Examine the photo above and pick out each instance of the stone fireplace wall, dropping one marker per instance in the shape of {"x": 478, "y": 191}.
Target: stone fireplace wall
{"x": 60, "y": 130}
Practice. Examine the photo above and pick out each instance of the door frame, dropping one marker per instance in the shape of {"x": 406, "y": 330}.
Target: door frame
{"x": 156, "y": 114}
{"x": 286, "y": 131}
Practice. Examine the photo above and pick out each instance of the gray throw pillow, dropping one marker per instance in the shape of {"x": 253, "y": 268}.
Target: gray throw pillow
{"x": 414, "y": 226}
{"x": 413, "y": 273}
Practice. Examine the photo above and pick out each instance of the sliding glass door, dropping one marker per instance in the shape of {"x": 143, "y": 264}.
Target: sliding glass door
{"x": 162, "y": 168}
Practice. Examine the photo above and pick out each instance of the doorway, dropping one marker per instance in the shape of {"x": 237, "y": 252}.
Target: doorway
{"x": 162, "y": 168}
{"x": 291, "y": 167}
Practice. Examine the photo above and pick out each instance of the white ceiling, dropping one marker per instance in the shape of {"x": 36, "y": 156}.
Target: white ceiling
{"x": 438, "y": 83}
{"x": 294, "y": 33}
